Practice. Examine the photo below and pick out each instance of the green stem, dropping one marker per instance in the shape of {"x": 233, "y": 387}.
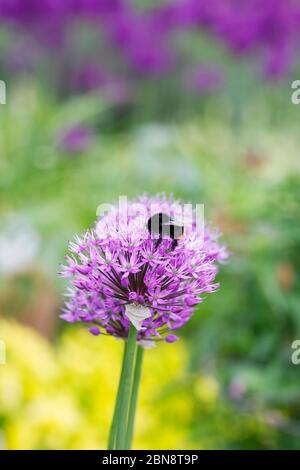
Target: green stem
{"x": 115, "y": 420}
{"x": 134, "y": 396}
{"x": 125, "y": 387}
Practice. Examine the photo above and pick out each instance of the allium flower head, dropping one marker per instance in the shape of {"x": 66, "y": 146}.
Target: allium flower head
{"x": 124, "y": 273}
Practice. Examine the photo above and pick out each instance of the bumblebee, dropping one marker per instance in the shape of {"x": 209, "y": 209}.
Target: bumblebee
{"x": 165, "y": 227}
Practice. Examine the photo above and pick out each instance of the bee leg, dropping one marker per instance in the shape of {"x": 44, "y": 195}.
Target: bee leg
{"x": 174, "y": 244}
{"x": 158, "y": 242}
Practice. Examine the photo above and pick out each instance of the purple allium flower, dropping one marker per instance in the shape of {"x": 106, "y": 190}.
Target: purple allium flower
{"x": 171, "y": 338}
{"x": 94, "y": 330}
{"x": 123, "y": 273}
{"x": 75, "y": 139}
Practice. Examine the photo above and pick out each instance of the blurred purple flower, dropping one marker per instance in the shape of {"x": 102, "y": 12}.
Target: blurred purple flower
{"x": 118, "y": 91}
{"x": 237, "y": 389}
{"x": 75, "y": 139}
{"x": 278, "y": 62}
{"x": 89, "y": 77}
{"x": 143, "y": 44}
{"x": 204, "y": 78}
{"x": 267, "y": 29}
{"x": 22, "y": 56}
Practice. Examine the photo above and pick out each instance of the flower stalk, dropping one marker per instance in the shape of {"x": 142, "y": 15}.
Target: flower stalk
{"x": 134, "y": 396}
{"x": 122, "y": 427}
{"x": 125, "y": 388}
{"x": 114, "y": 425}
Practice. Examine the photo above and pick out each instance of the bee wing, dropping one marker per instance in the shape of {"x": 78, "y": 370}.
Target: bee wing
{"x": 156, "y": 222}
{"x": 173, "y": 231}
{"x": 177, "y": 231}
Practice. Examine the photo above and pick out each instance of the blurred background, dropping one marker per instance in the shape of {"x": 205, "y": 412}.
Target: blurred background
{"x": 120, "y": 97}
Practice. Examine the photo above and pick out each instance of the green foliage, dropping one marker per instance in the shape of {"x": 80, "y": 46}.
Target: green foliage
{"x": 244, "y": 389}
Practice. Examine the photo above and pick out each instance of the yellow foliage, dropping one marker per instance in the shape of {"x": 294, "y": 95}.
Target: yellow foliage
{"x": 62, "y": 396}
{"x": 207, "y": 390}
